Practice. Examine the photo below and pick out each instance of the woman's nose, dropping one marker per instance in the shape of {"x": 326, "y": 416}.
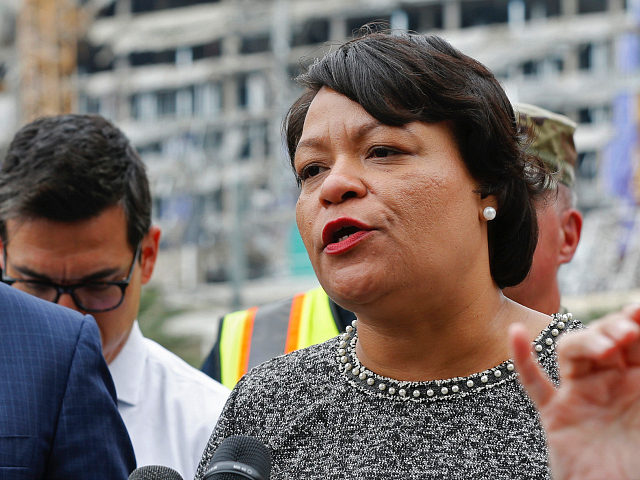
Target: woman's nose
{"x": 342, "y": 183}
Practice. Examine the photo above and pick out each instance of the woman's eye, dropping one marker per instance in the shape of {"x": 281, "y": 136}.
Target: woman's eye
{"x": 381, "y": 152}
{"x": 310, "y": 171}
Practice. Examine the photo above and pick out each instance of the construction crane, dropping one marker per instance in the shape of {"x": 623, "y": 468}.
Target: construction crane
{"x": 47, "y": 36}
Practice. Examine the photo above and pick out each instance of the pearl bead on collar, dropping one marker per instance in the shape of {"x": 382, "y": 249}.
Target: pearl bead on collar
{"x": 364, "y": 379}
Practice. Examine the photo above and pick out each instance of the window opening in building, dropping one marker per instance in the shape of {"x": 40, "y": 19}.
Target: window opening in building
{"x": 141, "y": 6}
{"x": 584, "y": 115}
{"x": 355, "y": 23}
{"x": 134, "y": 106}
{"x": 592, "y": 6}
{"x": 245, "y": 150}
{"x": 258, "y": 140}
{"x": 530, "y": 68}
{"x": 166, "y": 103}
{"x": 584, "y": 56}
{"x": 255, "y": 44}
{"x": 256, "y": 91}
{"x": 185, "y": 102}
{"x": 3, "y": 73}
{"x": 137, "y": 59}
{"x": 243, "y": 90}
{"x": 206, "y": 50}
{"x": 425, "y": 18}
{"x": 150, "y": 149}
{"x": 310, "y": 32}
{"x": 144, "y": 106}
{"x": 207, "y": 100}
{"x": 483, "y": 12}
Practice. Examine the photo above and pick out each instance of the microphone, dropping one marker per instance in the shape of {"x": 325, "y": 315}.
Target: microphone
{"x": 154, "y": 472}
{"x": 240, "y": 457}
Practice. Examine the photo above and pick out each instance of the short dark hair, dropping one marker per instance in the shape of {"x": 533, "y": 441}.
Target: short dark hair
{"x": 402, "y": 78}
{"x": 69, "y": 168}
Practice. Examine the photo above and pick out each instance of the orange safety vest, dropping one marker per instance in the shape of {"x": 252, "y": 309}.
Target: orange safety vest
{"x": 249, "y": 337}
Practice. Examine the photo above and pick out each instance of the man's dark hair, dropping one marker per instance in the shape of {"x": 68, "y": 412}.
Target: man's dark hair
{"x": 402, "y": 78}
{"x": 69, "y": 168}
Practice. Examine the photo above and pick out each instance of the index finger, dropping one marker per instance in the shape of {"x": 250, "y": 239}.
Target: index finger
{"x": 531, "y": 376}
{"x": 602, "y": 336}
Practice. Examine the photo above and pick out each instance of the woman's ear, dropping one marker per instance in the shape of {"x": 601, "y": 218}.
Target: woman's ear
{"x": 488, "y": 208}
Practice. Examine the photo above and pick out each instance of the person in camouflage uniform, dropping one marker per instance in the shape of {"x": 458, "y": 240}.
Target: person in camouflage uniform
{"x": 559, "y": 222}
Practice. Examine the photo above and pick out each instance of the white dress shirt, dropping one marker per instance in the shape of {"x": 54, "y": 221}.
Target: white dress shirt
{"x": 168, "y": 407}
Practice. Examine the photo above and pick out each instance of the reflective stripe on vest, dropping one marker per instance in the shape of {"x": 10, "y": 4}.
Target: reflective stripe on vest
{"x": 310, "y": 320}
{"x": 235, "y": 345}
{"x": 250, "y": 337}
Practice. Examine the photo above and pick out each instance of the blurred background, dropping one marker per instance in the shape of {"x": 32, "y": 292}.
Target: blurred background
{"x": 201, "y": 87}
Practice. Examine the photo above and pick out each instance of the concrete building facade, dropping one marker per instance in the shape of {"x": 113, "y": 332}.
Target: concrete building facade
{"x": 201, "y": 88}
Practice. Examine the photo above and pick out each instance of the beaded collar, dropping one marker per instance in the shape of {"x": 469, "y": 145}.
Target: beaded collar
{"x": 372, "y": 383}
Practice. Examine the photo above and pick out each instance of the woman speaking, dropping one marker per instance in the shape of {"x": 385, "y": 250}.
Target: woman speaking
{"x": 416, "y": 209}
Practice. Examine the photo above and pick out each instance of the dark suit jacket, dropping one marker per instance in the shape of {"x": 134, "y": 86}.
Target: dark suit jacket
{"x": 58, "y": 413}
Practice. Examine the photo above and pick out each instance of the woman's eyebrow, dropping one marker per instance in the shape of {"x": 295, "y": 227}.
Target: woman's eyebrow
{"x": 363, "y": 130}
{"x": 311, "y": 143}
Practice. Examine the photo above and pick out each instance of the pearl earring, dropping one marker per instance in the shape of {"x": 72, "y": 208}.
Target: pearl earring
{"x": 489, "y": 213}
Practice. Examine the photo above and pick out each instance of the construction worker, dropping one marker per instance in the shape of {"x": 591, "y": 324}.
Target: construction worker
{"x": 249, "y": 337}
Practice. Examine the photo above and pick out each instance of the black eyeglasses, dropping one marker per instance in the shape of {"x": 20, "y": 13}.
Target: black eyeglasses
{"x": 91, "y": 297}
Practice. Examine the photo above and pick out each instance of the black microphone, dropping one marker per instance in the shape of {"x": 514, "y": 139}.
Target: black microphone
{"x": 154, "y": 472}
{"x": 240, "y": 457}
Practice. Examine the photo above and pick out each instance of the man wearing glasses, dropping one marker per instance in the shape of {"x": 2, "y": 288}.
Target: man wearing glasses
{"x": 58, "y": 412}
{"x": 75, "y": 228}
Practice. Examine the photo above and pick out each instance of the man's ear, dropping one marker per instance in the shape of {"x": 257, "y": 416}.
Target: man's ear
{"x": 1, "y": 254}
{"x": 149, "y": 252}
{"x": 571, "y": 227}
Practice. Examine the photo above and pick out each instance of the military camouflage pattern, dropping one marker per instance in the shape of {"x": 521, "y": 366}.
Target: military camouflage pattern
{"x": 553, "y": 140}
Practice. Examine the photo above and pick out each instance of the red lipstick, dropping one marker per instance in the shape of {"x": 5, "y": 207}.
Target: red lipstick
{"x": 341, "y": 235}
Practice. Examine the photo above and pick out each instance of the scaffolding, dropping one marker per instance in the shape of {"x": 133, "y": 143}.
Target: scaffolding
{"x": 47, "y": 37}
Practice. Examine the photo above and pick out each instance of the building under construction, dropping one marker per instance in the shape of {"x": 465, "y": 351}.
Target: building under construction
{"x": 201, "y": 88}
